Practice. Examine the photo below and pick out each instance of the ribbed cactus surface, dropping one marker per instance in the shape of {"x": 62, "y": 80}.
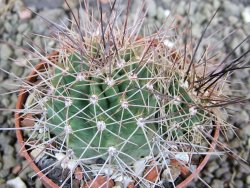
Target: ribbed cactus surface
{"x": 120, "y": 105}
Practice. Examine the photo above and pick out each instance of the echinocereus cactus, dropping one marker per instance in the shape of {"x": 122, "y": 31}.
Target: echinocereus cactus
{"x": 118, "y": 103}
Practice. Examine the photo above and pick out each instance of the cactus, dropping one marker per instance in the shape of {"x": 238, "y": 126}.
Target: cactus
{"x": 116, "y": 105}
{"x": 109, "y": 95}
{"x": 130, "y": 105}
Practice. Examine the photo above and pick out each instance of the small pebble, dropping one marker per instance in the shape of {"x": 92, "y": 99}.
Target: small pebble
{"x": 5, "y": 51}
{"x": 16, "y": 183}
{"x": 20, "y": 62}
{"x": 221, "y": 171}
{"x": 37, "y": 153}
{"x": 248, "y": 179}
{"x": 183, "y": 157}
{"x": 18, "y": 71}
{"x": 246, "y": 14}
{"x": 139, "y": 167}
{"x": 121, "y": 180}
{"x": 14, "y": 19}
{"x": 22, "y": 27}
{"x": 4, "y": 173}
{"x": 246, "y": 130}
{"x": 151, "y": 5}
{"x": 16, "y": 169}
{"x": 38, "y": 183}
{"x": 8, "y": 161}
{"x": 216, "y": 3}
{"x": 244, "y": 168}
{"x": 170, "y": 174}
{"x": 231, "y": 8}
{"x": 24, "y": 14}
{"x": 239, "y": 183}
{"x": 212, "y": 166}
{"x": 40, "y": 26}
{"x": 217, "y": 183}
{"x": 8, "y": 27}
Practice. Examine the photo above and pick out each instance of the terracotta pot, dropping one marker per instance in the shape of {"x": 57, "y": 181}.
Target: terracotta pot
{"x": 204, "y": 161}
{"x": 23, "y": 94}
{"x": 49, "y": 183}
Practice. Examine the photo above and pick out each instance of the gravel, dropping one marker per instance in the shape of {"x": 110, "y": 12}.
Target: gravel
{"x": 234, "y": 16}
{"x": 216, "y": 183}
{"x": 40, "y": 25}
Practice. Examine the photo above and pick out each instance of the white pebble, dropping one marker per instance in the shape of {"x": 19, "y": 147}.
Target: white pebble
{"x": 71, "y": 165}
{"x": 167, "y": 12}
{"x": 108, "y": 171}
{"x": 248, "y": 179}
{"x": 25, "y": 14}
{"x": 30, "y": 100}
{"x": 183, "y": 157}
{"x": 37, "y": 153}
{"x": 60, "y": 156}
{"x": 139, "y": 167}
{"x": 125, "y": 180}
{"x": 246, "y": 14}
{"x": 21, "y": 62}
{"x": 170, "y": 174}
{"x": 16, "y": 183}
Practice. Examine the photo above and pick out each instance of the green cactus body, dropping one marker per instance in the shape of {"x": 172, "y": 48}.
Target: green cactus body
{"x": 104, "y": 109}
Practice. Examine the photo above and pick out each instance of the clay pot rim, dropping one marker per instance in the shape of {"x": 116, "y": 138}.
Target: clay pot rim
{"x": 22, "y": 96}
{"x": 48, "y": 182}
